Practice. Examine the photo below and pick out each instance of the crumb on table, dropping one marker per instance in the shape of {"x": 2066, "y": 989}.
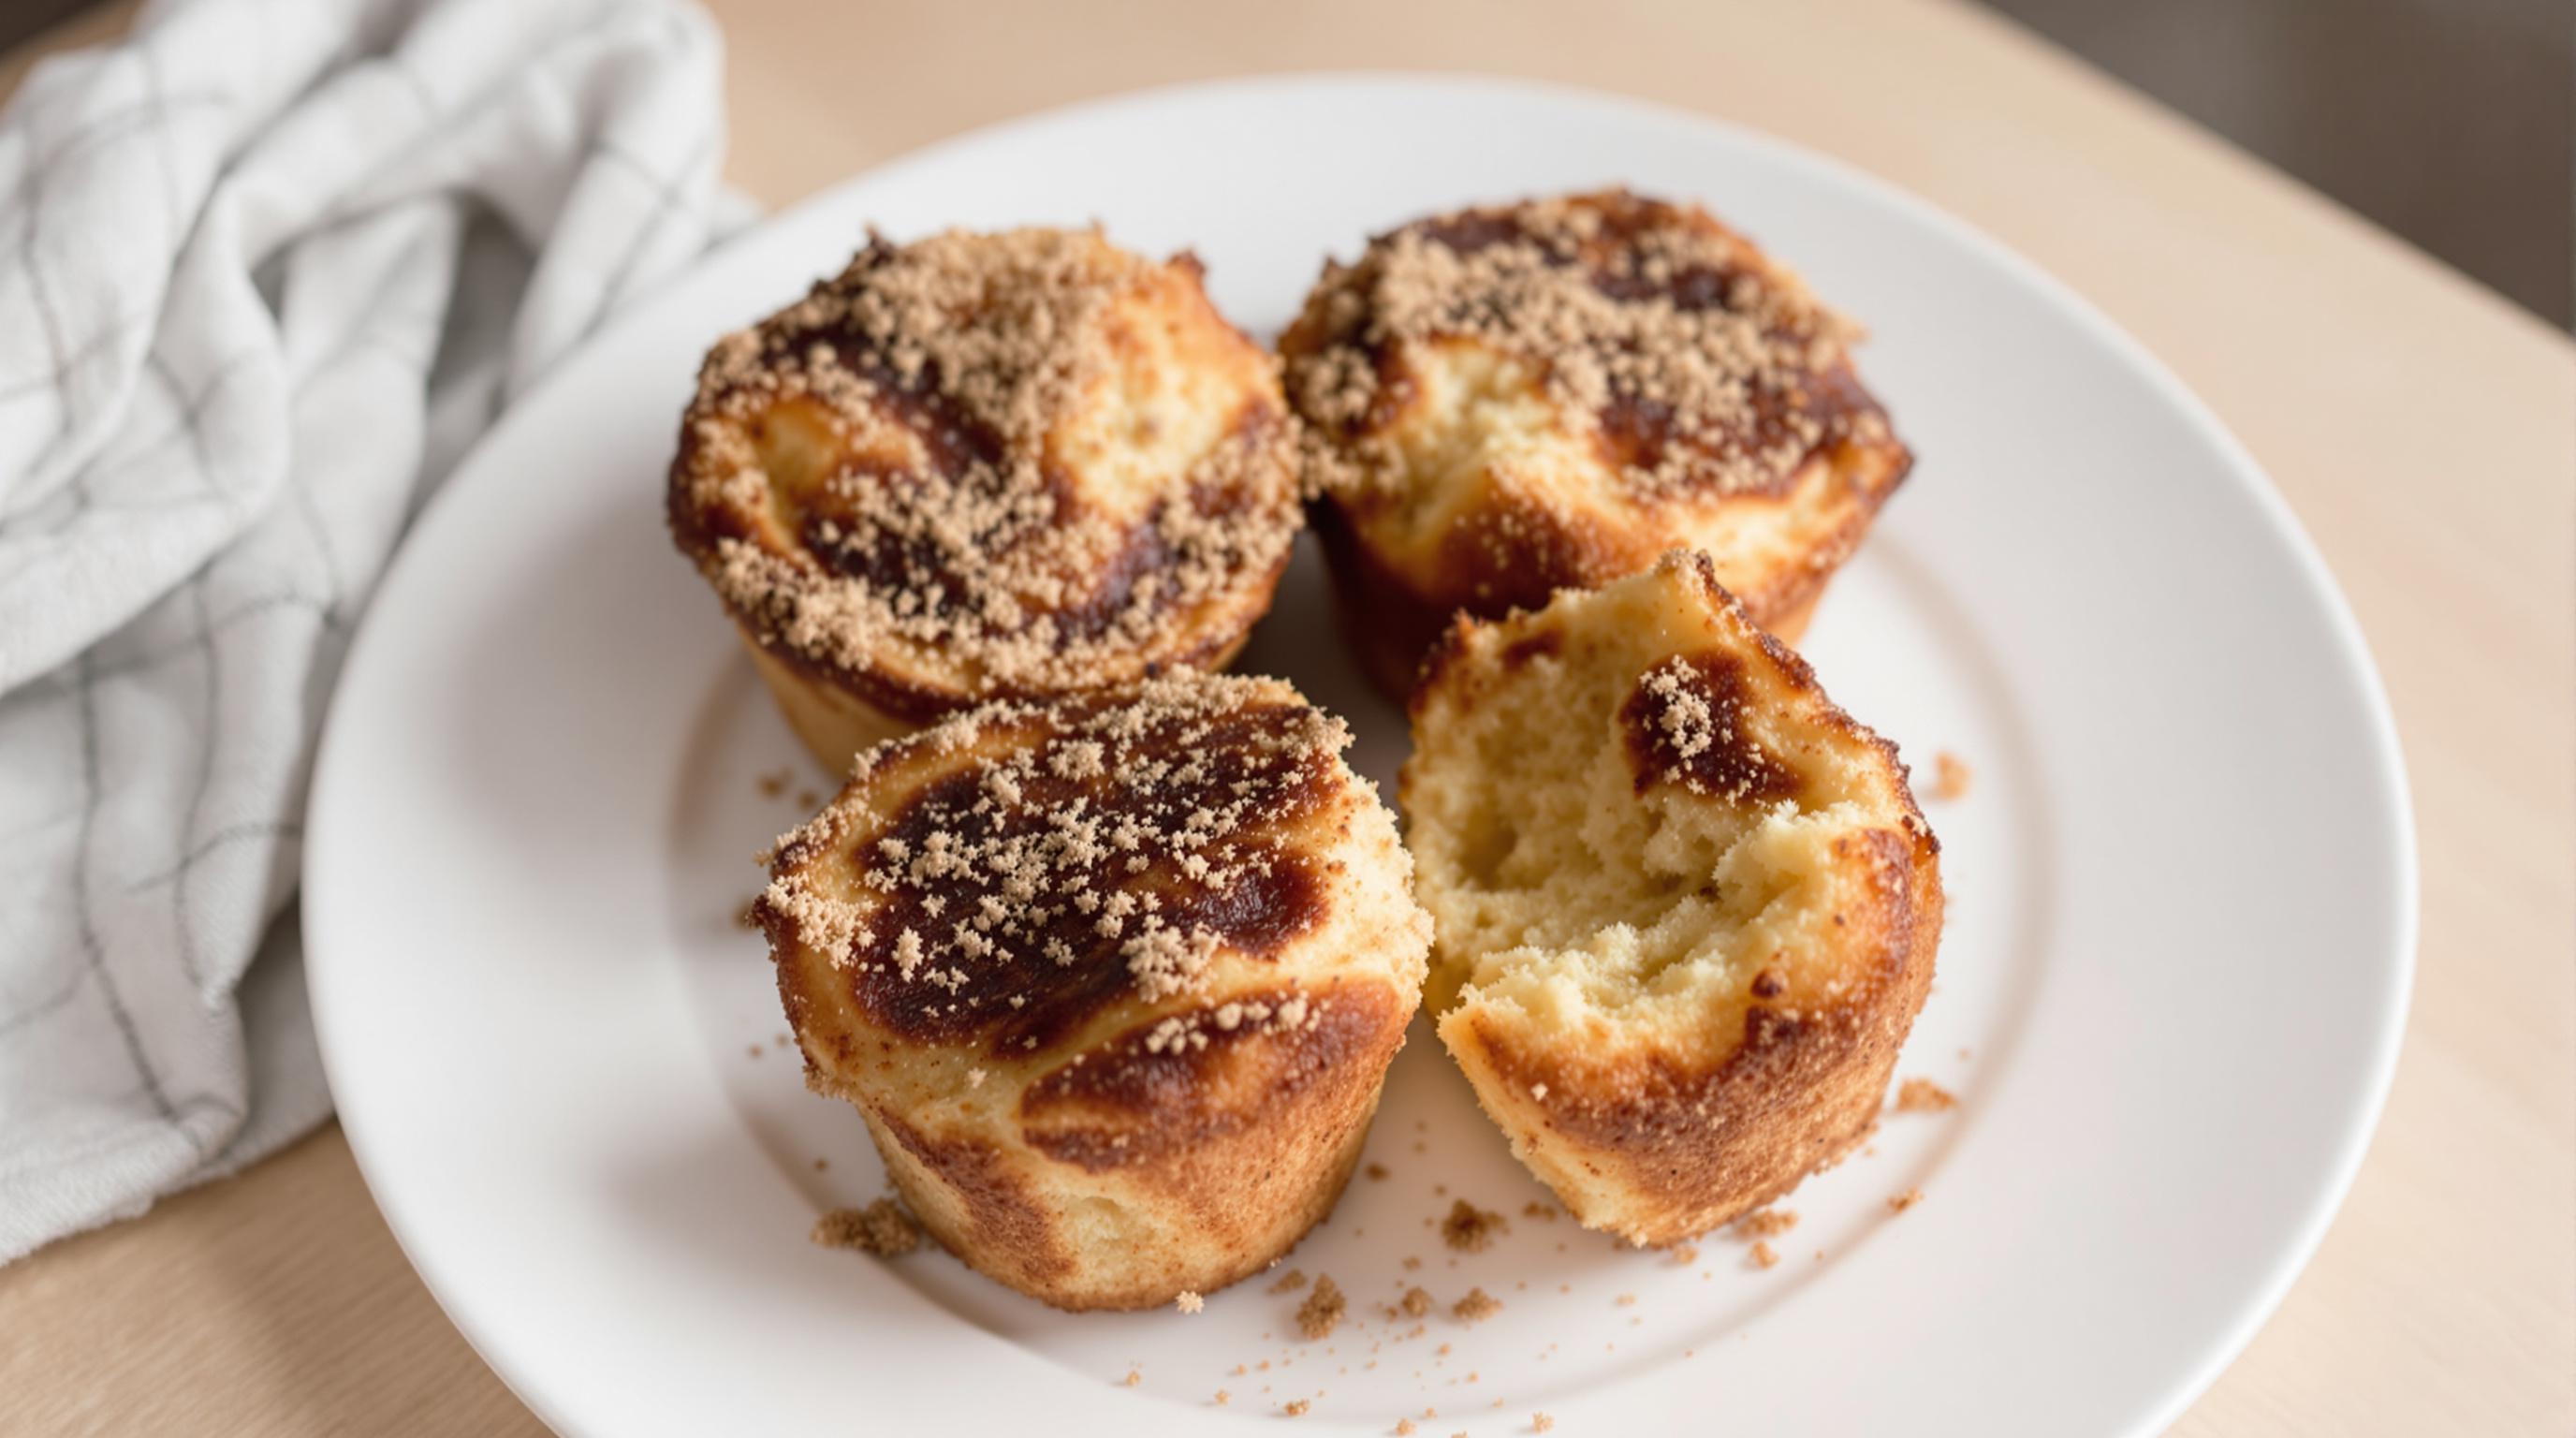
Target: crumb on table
{"x": 1477, "y": 1306}
{"x": 1905, "y": 1200}
{"x": 1764, "y": 1255}
{"x": 1376, "y": 1172}
{"x": 1189, "y": 1301}
{"x": 1290, "y": 1281}
{"x": 1950, "y": 776}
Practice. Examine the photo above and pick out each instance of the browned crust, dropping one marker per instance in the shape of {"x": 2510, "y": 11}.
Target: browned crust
{"x": 1232, "y": 1153}
{"x": 1700, "y": 1145}
{"x": 1129, "y": 1106}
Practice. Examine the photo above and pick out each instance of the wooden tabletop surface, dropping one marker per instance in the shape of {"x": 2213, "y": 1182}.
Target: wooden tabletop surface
{"x": 2423, "y": 429}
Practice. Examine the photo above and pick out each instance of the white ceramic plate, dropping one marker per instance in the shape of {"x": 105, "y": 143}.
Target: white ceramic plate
{"x": 2181, "y": 917}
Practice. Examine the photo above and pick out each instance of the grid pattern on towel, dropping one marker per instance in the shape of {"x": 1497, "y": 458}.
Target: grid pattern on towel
{"x": 265, "y": 269}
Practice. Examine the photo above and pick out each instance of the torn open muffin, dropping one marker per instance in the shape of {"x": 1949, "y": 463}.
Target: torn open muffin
{"x": 1686, "y": 908}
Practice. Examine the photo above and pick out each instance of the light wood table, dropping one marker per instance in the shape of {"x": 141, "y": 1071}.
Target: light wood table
{"x": 2424, "y": 431}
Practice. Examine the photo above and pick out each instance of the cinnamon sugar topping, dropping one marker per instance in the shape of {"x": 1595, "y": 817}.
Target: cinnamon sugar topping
{"x": 1696, "y": 366}
{"x": 1040, "y": 860}
{"x": 898, "y": 475}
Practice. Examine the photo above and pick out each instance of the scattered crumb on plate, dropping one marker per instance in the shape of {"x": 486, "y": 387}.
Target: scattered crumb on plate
{"x": 880, "y": 1230}
{"x": 1322, "y": 1311}
{"x": 1922, "y": 1095}
{"x": 1766, "y": 1223}
{"x": 1470, "y": 1229}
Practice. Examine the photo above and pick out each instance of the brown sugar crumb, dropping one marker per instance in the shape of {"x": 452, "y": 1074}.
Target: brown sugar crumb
{"x": 880, "y": 1230}
{"x": 774, "y": 784}
{"x": 1416, "y": 1303}
{"x": 1322, "y": 1311}
{"x": 1766, "y": 1223}
{"x": 1470, "y": 1229}
{"x": 1290, "y": 1281}
{"x": 1403, "y": 1427}
{"x": 1477, "y": 1306}
{"x": 1133, "y": 1378}
{"x": 1922, "y": 1095}
{"x": 1543, "y": 1212}
{"x": 1223, "y": 1398}
{"x": 1950, "y": 776}
{"x": 1764, "y": 1255}
{"x": 1682, "y": 1255}
{"x": 1411, "y": 1263}
{"x": 1541, "y": 1423}
{"x": 1626, "y": 1300}
{"x": 1189, "y": 1301}
{"x": 1296, "y": 1407}
{"x": 1376, "y": 1172}
{"x": 1905, "y": 1200}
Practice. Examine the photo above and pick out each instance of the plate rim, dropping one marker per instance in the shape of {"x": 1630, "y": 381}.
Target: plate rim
{"x": 2352, "y": 651}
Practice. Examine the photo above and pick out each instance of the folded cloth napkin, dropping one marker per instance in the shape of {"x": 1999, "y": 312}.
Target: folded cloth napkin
{"x": 265, "y": 269}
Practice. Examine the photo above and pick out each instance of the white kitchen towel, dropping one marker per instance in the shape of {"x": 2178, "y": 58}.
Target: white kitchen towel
{"x": 265, "y": 269}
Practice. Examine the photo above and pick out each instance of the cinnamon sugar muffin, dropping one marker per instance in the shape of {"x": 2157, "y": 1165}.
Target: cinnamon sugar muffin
{"x": 1509, "y": 401}
{"x": 985, "y": 466}
{"x": 1686, "y": 907}
{"x": 1113, "y": 979}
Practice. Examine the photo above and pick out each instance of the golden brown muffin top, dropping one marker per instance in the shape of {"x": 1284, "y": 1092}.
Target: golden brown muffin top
{"x": 998, "y": 879}
{"x": 989, "y": 464}
{"x": 1698, "y": 365}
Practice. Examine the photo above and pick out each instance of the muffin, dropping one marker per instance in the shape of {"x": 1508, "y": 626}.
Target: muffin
{"x": 1114, "y": 979}
{"x": 985, "y": 466}
{"x": 1686, "y": 908}
{"x": 1505, "y": 402}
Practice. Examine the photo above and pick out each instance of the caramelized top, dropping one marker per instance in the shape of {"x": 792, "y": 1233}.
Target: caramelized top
{"x": 998, "y": 879}
{"x": 986, "y": 465}
{"x": 1696, "y": 365}
{"x": 1685, "y": 725}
